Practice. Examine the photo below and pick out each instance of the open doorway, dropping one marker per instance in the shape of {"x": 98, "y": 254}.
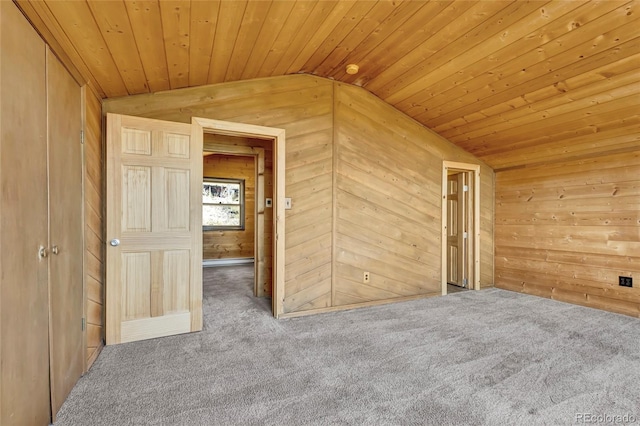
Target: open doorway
{"x": 237, "y": 205}
{"x": 460, "y": 227}
{"x": 266, "y": 146}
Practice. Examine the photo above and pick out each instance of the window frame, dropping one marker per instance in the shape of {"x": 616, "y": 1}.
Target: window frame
{"x": 241, "y": 203}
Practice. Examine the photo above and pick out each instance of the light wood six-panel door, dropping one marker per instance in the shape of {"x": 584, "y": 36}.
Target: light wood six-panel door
{"x": 154, "y": 229}
{"x": 456, "y": 230}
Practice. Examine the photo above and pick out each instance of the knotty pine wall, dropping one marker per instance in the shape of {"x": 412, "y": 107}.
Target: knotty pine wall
{"x": 303, "y": 106}
{"x": 365, "y": 191}
{"x": 94, "y": 224}
{"x": 566, "y": 231}
{"x": 230, "y": 244}
{"x": 388, "y": 202}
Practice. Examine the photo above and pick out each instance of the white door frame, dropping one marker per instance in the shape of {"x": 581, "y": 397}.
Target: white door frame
{"x": 200, "y": 126}
{"x": 474, "y": 255}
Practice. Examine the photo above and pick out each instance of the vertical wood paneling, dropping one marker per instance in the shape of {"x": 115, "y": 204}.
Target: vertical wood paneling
{"x": 42, "y": 19}
{"x": 145, "y": 18}
{"x": 204, "y": 20}
{"x": 568, "y": 231}
{"x": 94, "y": 50}
{"x": 310, "y": 26}
{"x": 252, "y": 22}
{"x": 176, "y": 21}
{"x": 393, "y": 24}
{"x": 228, "y": 24}
{"x": 288, "y": 31}
{"x": 498, "y": 78}
{"x": 114, "y": 25}
{"x": 94, "y": 224}
{"x": 277, "y": 15}
{"x": 370, "y": 22}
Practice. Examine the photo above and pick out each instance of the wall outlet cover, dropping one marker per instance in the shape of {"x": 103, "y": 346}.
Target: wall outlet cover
{"x": 268, "y": 202}
{"x": 625, "y": 281}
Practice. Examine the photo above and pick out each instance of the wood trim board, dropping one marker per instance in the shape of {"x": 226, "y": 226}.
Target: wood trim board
{"x": 258, "y": 251}
{"x": 474, "y": 258}
{"x": 199, "y": 126}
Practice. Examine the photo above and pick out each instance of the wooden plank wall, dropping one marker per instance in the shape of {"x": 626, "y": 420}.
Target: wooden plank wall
{"x": 94, "y": 224}
{"x": 232, "y": 244}
{"x": 388, "y": 202}
{"x": 566, "y": 231}
{"x": 378, "y": 155}
{"x": 302, "y": 105}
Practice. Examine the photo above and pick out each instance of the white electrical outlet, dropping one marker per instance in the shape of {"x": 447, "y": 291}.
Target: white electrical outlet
{"x": 268, "y": 202}
{"x": 365, "y": 277}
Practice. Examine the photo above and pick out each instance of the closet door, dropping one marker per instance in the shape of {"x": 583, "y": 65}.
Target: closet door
{"x": 65, "y": 231}
{"x": 24, "y": 317}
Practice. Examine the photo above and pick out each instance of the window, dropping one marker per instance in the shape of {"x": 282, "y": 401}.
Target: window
{"x": 222, "y": 204}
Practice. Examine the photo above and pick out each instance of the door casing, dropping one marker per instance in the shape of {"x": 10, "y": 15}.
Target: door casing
{"x": 472, "y": 257}
{"x": 200, "y": 126}
{"x": 257, "y": 154}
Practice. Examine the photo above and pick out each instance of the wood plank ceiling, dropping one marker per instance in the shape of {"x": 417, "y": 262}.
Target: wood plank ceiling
{"x": 513, "y": 82}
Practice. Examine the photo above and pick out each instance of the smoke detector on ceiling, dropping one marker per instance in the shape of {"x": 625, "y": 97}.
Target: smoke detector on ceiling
{"x": 352, "y": 69}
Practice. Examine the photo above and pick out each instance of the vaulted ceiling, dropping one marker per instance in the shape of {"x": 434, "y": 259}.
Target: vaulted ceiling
{"x": 513, "y": 82}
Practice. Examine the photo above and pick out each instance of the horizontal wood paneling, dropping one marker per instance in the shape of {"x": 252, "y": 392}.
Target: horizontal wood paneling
{"x": 301, "y": 105}
{"x": 568, "y": 231}
{"x": 362, "y": 176}
{"x": 388, "y": 202}
{"x": 94, "y": 224}
{"x": 232, "y": 243}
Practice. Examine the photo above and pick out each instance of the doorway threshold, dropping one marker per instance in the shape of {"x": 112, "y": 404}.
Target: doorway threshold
{"x": 455, "y": 289}
{"x": 209, "y": 263}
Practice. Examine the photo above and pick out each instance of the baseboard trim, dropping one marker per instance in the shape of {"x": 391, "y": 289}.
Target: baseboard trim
{"x": 208, "y": 263}
{"x": 94, "y": 356}
{"x": 357, "y": 305}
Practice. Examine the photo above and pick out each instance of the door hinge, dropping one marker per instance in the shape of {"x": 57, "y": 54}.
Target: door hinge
{"x": 465, "y": 282}
{"x": 465, "y": 188}
{"x": 83, "y": 324}
{"x": 82, "y": 137}
{"x": 465, "y": 235}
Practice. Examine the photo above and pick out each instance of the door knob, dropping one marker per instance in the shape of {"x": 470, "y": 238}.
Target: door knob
{"x": 55, "y": 250}
{"x": 115, "y": 242}
{"x": 43, "y": 252}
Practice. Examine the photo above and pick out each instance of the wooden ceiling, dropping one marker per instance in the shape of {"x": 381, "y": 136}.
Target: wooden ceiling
{"x": 513, "y": 82}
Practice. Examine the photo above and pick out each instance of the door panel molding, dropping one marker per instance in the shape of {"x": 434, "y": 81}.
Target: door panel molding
{"x": 154, "y": 266}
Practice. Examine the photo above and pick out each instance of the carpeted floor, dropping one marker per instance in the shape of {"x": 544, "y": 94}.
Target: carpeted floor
{"x": 489, "y": 357}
